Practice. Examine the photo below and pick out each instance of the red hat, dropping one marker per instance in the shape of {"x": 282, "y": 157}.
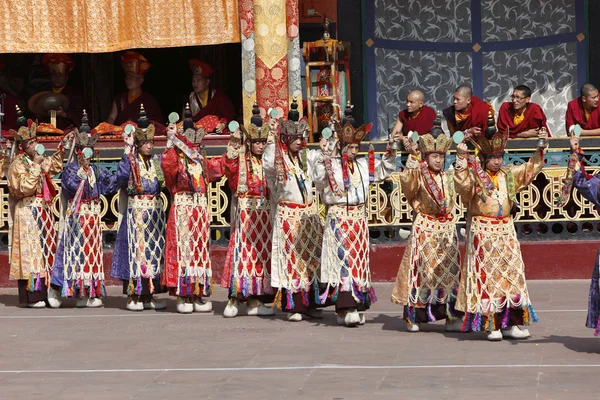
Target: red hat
{"x": 200, "y": 68}
{"x": 134, "y": 62}
{"x": 58, "y": 63}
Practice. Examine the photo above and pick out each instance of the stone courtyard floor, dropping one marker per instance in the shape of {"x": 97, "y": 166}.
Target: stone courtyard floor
{"x": 112, "y": 353}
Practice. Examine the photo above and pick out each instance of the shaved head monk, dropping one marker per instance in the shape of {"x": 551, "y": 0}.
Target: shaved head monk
{"x": 468, "y": 113}
{"x": 584, "y": 111}
{"x": 417, "y": 117}
{"x": 521, "y": 117}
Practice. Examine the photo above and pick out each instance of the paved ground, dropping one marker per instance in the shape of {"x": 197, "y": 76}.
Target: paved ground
{"x": 110, "y": 353}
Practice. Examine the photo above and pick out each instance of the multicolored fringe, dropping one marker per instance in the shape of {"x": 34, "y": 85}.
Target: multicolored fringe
{"x": 72, "y": 290}
{"x": 363, "y": 297}
{"x": 34, "y": 283}
{"x": 475, "y": 321}
{"x": 434, "y": 189}
{"x": 450, "y": 315}
{"x": 135, "y": 287}
{"x": 290, "y": 299}
{"x": 189, "y": 286}
{"x": 244, "y": 287}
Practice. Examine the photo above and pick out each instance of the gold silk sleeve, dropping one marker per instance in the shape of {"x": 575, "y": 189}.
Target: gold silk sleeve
{"x": 410, "y": 182}
{"x": 525, "y": 173}
{"x": 55, "y": 162}
{"x": 464, "y": 184}
{"x": 21, "y": 182}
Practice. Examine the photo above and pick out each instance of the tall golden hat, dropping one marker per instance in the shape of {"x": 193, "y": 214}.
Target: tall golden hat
{"x": 429, "y": 143}
{"x": 256, "y": 131}
{"x": 347, "y": 133}
{"x": 189, "y": 130}
{"x": 492, "y": 142}
{"x": 144, "y": 130}
{"x": 84, "y": 137}
{"x": 26, "y": 128}
{"x": 293, "y": 126}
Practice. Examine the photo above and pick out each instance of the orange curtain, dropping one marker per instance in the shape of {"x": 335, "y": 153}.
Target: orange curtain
{"x": 95, "y": 26}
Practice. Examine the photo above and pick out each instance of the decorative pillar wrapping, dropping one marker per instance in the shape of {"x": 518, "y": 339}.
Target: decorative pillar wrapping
{"x": 248, "y": 57}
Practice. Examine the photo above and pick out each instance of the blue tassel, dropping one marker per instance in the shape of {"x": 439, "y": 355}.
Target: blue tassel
{"x": 532, "y": 313}
{"x": 430, "y": 314}
{"x": 290, "y": 300}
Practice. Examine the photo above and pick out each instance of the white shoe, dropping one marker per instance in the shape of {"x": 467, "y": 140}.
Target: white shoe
{"x": 135, "y": 306}
{"x": 340, "y": 317}
{"x": 183, "y": 307}
{"x": 495, "y": 336}
{"x": 39, "y": 304}
{"x": 94, "y": 302}
{"x": 54, "y": 298}
{"x": 155, "y": 305}
{"x": 81, "y": 303}
{"x": 413, "y": 327}
{"x": 202, "y": 306}
{"x": 515, "y": 333}
{"x": 231, "y": 310}
{"x": 363, "y": 319}
{"x": 455, "y": 326}
{"x": 352, "y": 318}
{"x": 295, "y": 317}
{"x": 255, "y": 307}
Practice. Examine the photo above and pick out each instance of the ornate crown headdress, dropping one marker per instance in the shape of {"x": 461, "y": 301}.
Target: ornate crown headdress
{"x": 493, "y": 141}
{"x": 84, "y": 136}
{"x": 26, "y": 128}
{"x": 347, "y": 133}
{"x": 190, "y": 132}
{"x": 255, "y": 131}
{"x": 436, "y": 140}
{"x": 293, "y": 126}
{"x": 144, "y": 130}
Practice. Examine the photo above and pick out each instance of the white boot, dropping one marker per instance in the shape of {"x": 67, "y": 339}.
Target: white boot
{"x": 183, "y": 307}
{"x": 340, "y": 318}
{"x": 455, "y": 326}
{"x": 54, "y": 298}
{"x": 294, "y": 317}
{"x": 202, "y": 306}
{"x": 231, "y": 310}
{"x": 133, "y": 305}
{"x": 81, "y": 303}
{"x": 363, "y": 319}
{"x": 413, "y": 327}
{"x": 256, "y": 307}
{"x": 39, "y": 304}
{"x": 514, "y": 332}
{"x": 352, "y": 318}
{"x": 155, "y": 305}
{"x": 94, "y": 302}
{"x": 494, "y": 336}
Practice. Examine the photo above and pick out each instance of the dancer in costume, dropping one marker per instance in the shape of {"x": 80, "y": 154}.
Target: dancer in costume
{"x": 493, "y": 289}
{"x": 188, "y": 273}
{"x": 138, "y": 254}
{"x": 344, "y": 182}
{"x": 32, "y": 235}
{"x": 297, "y": 228}
{"x": 589, "y": 187}
{"x": 79, "y": 267}
{"x": 247, "y": 272}
{"x": 428, "y": 277}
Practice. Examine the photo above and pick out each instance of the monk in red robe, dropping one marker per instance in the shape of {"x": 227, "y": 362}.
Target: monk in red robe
{"x": 59, "y": 66}
{"x": 205, "y": 101}
{"x": 584, "y": 111}
{"x": 468, "y": 114}
{"x": 417, "y": 117}
{"x": 520, "y": 116}
{"x": 126, "y": 106}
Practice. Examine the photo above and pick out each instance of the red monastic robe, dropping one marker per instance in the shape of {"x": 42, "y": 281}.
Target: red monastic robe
{"x": 421, "y": 124}
{"x": 534, "y": 118}
{"x": 576, "y": 115}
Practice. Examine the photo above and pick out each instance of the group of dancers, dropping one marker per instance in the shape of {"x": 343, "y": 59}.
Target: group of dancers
{"x": 281, "y": 251}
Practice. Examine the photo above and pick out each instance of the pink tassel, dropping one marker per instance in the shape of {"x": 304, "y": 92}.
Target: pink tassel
{"x": 505, "y": 318}
{"x": 345, "y": 170}
{"x": 371, "y": 164}
{"x": 38, "y": 283}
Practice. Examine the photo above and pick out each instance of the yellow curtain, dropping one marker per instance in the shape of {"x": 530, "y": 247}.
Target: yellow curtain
{"x": 95, "y": 26}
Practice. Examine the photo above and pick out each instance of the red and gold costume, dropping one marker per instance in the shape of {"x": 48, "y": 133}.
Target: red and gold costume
{"x": 247, "y": 271}
{"x": 188, "y": 273}
{"x": 32, "y": 235}
{"x": 493, "y": 290}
